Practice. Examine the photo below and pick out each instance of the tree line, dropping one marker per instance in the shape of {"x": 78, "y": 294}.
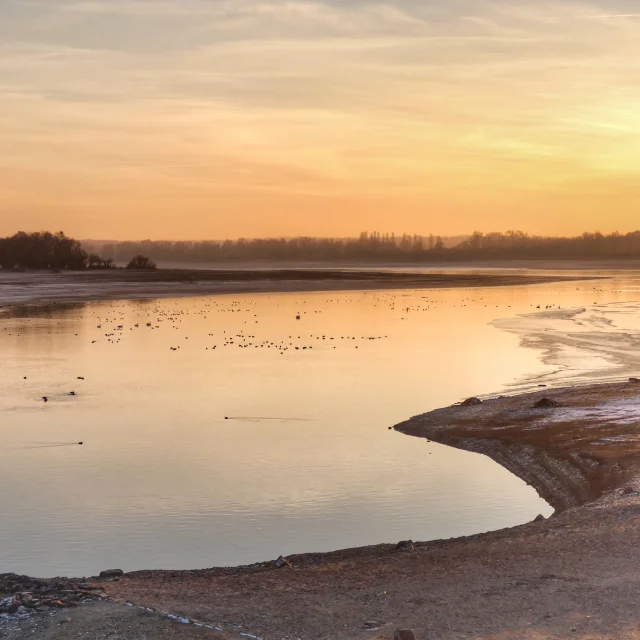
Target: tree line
{"x": 375, "y": 247}
{"x": 368, "y": 246}
{"x": 519, "y": 245}
{"x": 47, "y": 250}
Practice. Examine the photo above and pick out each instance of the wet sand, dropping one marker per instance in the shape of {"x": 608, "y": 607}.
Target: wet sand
{"x": 120, "y": 284}
{"x": 571, "y": 576}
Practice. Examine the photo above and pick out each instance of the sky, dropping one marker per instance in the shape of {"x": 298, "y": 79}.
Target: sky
{"x": 191, "y": 119}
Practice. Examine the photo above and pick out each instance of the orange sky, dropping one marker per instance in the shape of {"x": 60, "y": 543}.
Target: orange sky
{"x": 211, "y": 119}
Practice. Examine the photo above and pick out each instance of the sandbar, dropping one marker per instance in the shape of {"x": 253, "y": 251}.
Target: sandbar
{"x": 121, "y": 284}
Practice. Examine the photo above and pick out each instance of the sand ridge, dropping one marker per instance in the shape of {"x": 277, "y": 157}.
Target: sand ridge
{"x": 120, "y": 284}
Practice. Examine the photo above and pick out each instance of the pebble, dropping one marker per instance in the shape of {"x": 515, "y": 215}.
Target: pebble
{"x": 405, "y": 545}
{"x": 404, "y": 634}
{"x": 371, "y": 624}
{"x": 111, "y": 573}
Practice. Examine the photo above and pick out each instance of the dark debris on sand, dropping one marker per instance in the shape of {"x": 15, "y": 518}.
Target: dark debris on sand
{"x": 21, "y": 595}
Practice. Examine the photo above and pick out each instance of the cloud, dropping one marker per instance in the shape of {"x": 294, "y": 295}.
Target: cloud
{"x": 606, "y": 16}
{"x": 310, "y": 97}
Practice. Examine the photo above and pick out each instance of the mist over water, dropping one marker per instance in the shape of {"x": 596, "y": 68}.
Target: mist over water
{"x": 209, "y": 439}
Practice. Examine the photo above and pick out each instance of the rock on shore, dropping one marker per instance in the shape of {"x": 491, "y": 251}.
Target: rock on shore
{"x": 22, "y": 595}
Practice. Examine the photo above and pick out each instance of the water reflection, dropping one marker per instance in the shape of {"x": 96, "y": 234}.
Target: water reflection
{"x": 210, "y": 439}
{"x": 47, "y": 309}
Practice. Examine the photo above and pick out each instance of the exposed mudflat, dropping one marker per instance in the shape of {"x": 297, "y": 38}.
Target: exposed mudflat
{"x": 120, "y": 284}
{"x": 572, "y": 453}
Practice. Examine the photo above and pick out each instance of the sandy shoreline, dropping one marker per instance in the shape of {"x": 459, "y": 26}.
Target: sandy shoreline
{"x": 42, "y": 287}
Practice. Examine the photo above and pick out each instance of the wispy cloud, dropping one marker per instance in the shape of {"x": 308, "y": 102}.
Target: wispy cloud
{"x": 604, "y": 16}
{"x": 203, "y": 101}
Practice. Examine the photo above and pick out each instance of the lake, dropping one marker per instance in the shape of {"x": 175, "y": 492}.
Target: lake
{"x": 224, "y": 430}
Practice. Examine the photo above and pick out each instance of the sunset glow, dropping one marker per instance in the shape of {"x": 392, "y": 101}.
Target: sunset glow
{"x": 209, "y": 119}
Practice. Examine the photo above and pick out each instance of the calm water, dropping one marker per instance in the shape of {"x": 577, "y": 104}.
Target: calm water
{"x": 305, "y": 460}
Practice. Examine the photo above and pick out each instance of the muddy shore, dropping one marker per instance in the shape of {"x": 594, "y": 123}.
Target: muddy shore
{"x": 120, "y": 284}
{"x": 572, "y": 453}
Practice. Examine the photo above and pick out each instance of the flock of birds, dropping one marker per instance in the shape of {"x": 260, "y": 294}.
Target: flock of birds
{"x": 71, "y": 393}
{"x": 116, "y": 320}
{"x": 171, "y": 313}
{"x": 114, "y": 326}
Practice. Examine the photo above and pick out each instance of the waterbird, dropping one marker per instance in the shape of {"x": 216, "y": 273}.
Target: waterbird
{"x": 45, "y": 398}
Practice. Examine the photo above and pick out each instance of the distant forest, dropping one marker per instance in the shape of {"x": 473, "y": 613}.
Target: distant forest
{"x": 375, "y": 247}
{"x": 57, "y": 251}
{"x": 47, "y": 250}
